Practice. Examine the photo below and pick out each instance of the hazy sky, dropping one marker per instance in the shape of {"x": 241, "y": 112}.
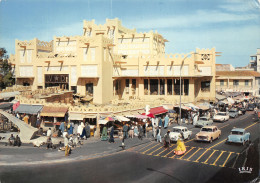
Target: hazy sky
{"x": 231, "y": 26}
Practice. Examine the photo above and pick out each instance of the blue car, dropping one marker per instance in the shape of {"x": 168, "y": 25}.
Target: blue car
{"x": 238, "y": 135}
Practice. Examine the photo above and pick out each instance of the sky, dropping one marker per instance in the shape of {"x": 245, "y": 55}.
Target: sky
{"x": 231, "y": 26}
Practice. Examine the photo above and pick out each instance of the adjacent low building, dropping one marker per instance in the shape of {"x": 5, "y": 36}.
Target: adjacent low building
{"x": 246, "y": 82}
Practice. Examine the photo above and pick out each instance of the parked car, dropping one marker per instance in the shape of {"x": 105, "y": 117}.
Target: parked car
{"x": 221, "y": 117}
{"x": 238, "y": 135}
{"x": 204, "y": 121}
{"x": 208, "y": 133}
{"x": 250, "y": 107}
{"x": 233, "y": 113}
{"x": 241, "y": 111}
{"x": 177, "y": 132}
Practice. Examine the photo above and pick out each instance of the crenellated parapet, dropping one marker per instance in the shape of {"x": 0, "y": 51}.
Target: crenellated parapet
{"x": 44, "y": 45}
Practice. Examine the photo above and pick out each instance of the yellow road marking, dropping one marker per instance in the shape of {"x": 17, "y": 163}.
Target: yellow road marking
{"x": 218, "y": 158}
{"x": 186, "y": 153}
{"x": 205, "y": 162}
{"x": 189, "y": 140}
{"x": 168, "y": 153}
{"x": 145, "y": 146}
{"x": 160, "y": 152}
{"x": 251, "y": 125}
{"x": 150, "y": 148}
{"x": 193, "y": 154}
{"x": 226, "y": 159}
{"x": 155, "y": 150}
{"x": 197, "y": 160}
{"x": 217, "y": 143}
{"x": 173, "y": 156}
{"x": 224, "y": 126}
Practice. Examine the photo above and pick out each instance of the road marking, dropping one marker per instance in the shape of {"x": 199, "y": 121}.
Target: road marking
{"x": 251, "y": 125}
{"x": 205, "y": 162}
{"x": 189, "y": 140}
{"x": 193, "y": 154}
{"x": 145, "y": 146}
{"x": 217, "y": 158}
{"x": 168, "y": 153}
{"x": 226, "y": 159}
{"x": 224, "y": 126}
{"x": 218, "y": 143}
{"x": 163, "y": 151}
{"x": 235, "y": 160}
{"x": 201, "y": 156}
{"x": 186, "y": 153}
{"x": 155, "y": 150}
{"x": 150, "y": 148}
{"x": 173, "y": 156}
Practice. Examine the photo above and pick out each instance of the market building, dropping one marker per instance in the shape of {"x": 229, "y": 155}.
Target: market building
{"x": 112, "y": 62}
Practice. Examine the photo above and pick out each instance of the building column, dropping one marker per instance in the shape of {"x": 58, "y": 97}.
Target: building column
{"x": 97, "y": 132}
{"x": 165, "y": 87}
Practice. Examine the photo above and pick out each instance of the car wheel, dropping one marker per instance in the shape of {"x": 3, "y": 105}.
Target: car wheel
{"x": 188, "y": 137}
{"x": 211, "y": 140}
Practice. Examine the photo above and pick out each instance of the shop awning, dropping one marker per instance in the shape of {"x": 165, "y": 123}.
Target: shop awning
{"x": 122, "y": 118}
{"x": 75, "y": 116}
{"x": 7, "y": 95}
{"x": 158, "y": 110}
{"x": 6, "y": 105}
{"x": 102, "y": 122}
{"x": 54, "y": 111}
{"x": 139, "y": 116}
{"x": 89, "y": 115}
{"x": 28, "y": 109}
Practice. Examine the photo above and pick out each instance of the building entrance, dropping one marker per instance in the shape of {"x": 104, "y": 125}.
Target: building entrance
{"x": 61, "y": 80}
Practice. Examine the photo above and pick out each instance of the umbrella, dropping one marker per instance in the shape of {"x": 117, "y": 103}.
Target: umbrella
{"x": 109, "y": 119}
{"x": 150, "y": 115}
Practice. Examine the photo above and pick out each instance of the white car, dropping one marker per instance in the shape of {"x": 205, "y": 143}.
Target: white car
{"x": 177, "y": 132}
{"x": 221, "y": 116}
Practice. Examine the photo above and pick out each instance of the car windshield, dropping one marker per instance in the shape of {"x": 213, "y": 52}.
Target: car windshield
{"x": 176, "y": 130}
{"x": 232, "y": 111}
{"x": 221, "y": 114}
{"x": 206, "y": 130}
{"x": 203, "y": 119}
{"x": 236, "y": 133}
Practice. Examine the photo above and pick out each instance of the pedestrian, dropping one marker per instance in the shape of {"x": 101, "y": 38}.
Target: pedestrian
{"x": 17, "y": 141}
{"x": 62, "y": 127}
{"x": 48, "y": 132}
{"x": 38, "y": 122}
{"x": 159, "y": 137}
{"x": 26, "y": 119}
{"x": 11, "y": 140}
{"x": 66, "y": 145}
{"x": 131, "y": 131}
{"x": 144, "y": 129}
{"x": 166, "y": 121}
{"x": 125, "y": 130}
{"x": 135, "y": 131}
{"x": 75, "y": 129}
{"x": 87, "y": 128}
{"x": 70, "y": 128}
{"x": 49, "y": 143}
{"x": 160, "y": 121}
{"x": 140, "y": 132}
{"x": 111, "y": 135}
{"x": 167, "y": 140}
{"x": 104, "y": 134}
{"x": 80, "y": 129}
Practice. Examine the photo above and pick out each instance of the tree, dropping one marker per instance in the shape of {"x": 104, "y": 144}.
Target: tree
{"x": 6, "y": 76}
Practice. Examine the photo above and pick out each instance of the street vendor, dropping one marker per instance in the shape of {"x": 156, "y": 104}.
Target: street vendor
{"x": 180, "y": 149}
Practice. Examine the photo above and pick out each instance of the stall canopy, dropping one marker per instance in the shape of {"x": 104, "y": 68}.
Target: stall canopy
{"x": 76, "y": 116}
{"x": 7, "y": 95}
{"x": 6, "y": 105}
{"x": 54, "y": 111}
{"x": 158, "y": 110}
{"x": 102, "y": 122}
{"x": 139, "y": 116}
{"x": 122, "y": 118}
{"x": 28, "y": 109}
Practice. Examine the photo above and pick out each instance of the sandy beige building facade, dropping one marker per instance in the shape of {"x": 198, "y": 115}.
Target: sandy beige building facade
{"x": 110, "y": 62}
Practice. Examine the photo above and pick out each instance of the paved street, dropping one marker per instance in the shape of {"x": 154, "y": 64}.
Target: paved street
{"x": 142, "y": 161}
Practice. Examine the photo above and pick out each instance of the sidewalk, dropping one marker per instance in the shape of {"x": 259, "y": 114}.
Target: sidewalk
{"x": 91, "y": 148}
